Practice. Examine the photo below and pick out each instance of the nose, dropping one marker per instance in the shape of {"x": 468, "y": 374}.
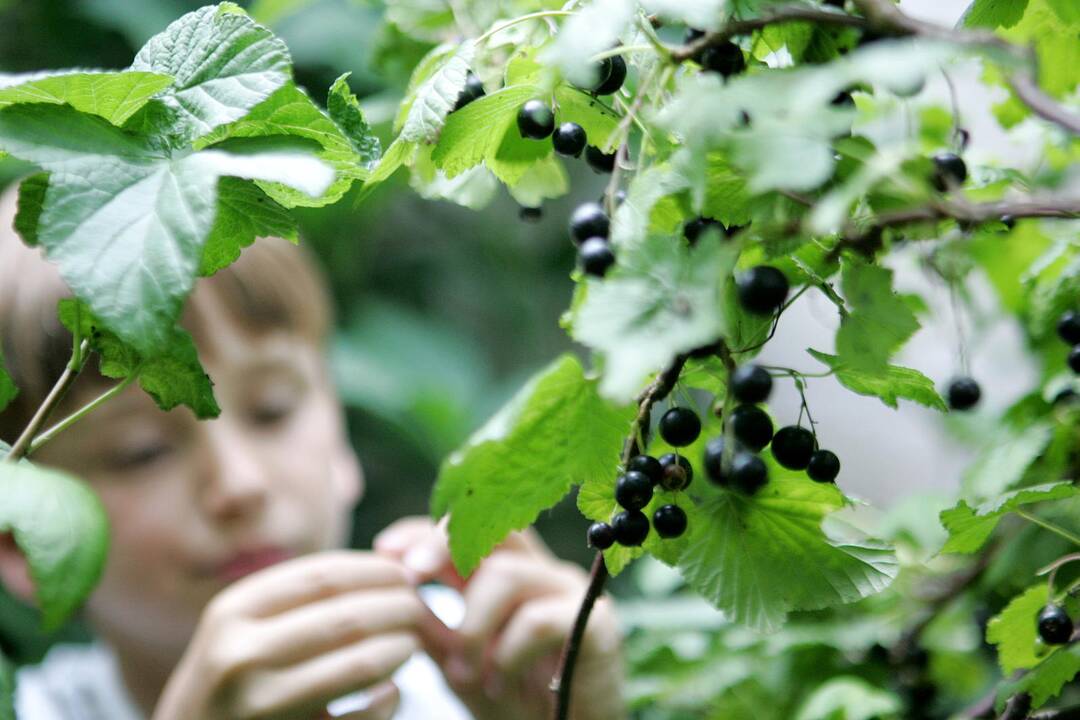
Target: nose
{"x": 235, "y": 482}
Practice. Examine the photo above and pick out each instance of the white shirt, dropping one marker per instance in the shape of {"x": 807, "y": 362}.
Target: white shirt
{"x": 83, "y": 682}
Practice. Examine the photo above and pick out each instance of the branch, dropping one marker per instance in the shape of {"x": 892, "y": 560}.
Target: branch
{"x": 1069, "y": 713}
{"x": 1017, "y": 707}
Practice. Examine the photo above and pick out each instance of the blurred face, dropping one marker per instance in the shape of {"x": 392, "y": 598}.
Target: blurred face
{"x": 195, "y": 505}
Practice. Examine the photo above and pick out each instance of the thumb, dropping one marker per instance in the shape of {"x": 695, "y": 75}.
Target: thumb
{"x": 382, "y": 705}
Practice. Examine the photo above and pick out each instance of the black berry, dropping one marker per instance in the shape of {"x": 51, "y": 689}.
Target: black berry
{"x": 669, "y": 521}
{"x": 835, "y": 3}
{"x": 762, "y": 289}
{"x": 680, "y": 426}
{"x": 601, "y": 535}
{"x": 1068, "y": 327}
{"x": 530, "y": 214}
{"x": 714, "y": 460}
{"x": 824, "y": 466}
{"x": 569, "y": 139}
{"x": 598, "y": 160}
{"x": 949, "y": 169}
{"x": 692, "y": 34}
{"x": 792, "y": 447}
{"x": 612, "y": 74}
{"x": 648, "y": 465}
{"x": 633, "y": 490}
{"x": 963, "y": 393}
{"x": 1055, "y": 625}
{"x": 748, "y": 472}
{"x": 589, "y": 220}
{"x": 1009, "y": 221}
{"x": 677, "y": 472}
{"x": 596, "y": 256}
{"x": 751, "y": 383}
{"x": 752, "y": 426}
{"x": 726, "y": 58}
{"x": 473, "y": 90}
{"x": 631, "y": 527}
{"x": 843, "y": 99}
{"x": 1074, "y": 359}
{"x": 535, "y": 120}
{"x": 1065, "y": 395}
{"x": 693, "y": 229}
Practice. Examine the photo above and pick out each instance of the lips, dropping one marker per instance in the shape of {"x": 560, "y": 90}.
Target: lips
{"x": 249, "y": 561}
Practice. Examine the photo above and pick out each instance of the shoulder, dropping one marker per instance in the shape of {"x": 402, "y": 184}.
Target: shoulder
{"x": 73, "y": 682}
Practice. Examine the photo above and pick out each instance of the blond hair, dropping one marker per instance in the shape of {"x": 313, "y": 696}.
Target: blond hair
{"x": 273, "y": 285}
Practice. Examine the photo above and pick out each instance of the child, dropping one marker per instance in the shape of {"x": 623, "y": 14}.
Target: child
{"x": 224, "y": 595}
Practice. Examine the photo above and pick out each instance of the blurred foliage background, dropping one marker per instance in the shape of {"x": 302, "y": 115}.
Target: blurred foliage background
{"x": 443, "y": 311}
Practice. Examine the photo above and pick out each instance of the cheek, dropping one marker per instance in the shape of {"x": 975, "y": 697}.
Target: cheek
{"x": 147, "y": 523}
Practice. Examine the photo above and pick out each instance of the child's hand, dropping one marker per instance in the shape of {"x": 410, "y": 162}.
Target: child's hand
{"x": 283, "y": 642}
{"x": 520, "y": 604}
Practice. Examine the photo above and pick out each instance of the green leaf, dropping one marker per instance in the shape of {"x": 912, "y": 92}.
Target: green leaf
{"x": 115, "y": 96}
{"x": 879, "y": 322}
{"x": 638, "y": 215}
{"x": 171, "y": 373}
{"x": 848, "y": 698}
{"x": 993, "y": 13}
{"x": 7, "y": 689}
{"x": 595, "y": 118}
{"x": 1004, "y": 459}
{"x": 475, "y": 132}
{"x": 758, "y": 558}
{"x": 31, "y": 200}
{"x": 594, "y": 28}
{"x": 725, "y": 198}
{"x": 492, "y": 485}
{"x": 970, "y": 527}
{"x": 1056, "y": 37}
{"x": 244, "y": 213}
{"x": 344, "y": 110}
{"x": 222, "y": 63}
{"x": 1046, "y": 679}
{"x": 893, "y": 383}
{"x": 65, "y": 557}
{"x": 542, "y": 180}
{"x": 1015, "y": 630}
{"x": 126, "y": 223}
{"x": 8, "y": 390}
{"x": 661, "y": 299}
{"x": 435, "y": 98}
{"x": 704, "y": 14}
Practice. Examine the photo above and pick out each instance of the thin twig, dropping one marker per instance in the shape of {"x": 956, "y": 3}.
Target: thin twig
{"x": 561, "y": 683}
{"x": 82, "y": 412}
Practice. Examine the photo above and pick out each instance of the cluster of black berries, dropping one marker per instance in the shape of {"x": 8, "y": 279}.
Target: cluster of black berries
{"x": 794, "y": 447}
{"x": 679, "y": 427}
{"x": 762, "y": 289}
{"x": 725, "y": 58}
{"x": 1054, "y": 624}
{"x": 1068, "y": 328}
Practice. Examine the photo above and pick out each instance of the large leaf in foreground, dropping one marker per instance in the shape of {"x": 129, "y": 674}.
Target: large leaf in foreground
{"x": 62, "y": 530}
{"x": 757, "y": 558}
{"x": 1014, "y": 630}
{"x": 494, "y": 485}
{"x": 114, "y": 96}
{"x": 1046, "y": 679}
{"x": 970, "y": 527}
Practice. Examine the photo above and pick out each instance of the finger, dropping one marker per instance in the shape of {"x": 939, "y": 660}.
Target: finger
{"x": 382, "y": 703}
{"x": 536, "y": 629}
{"x": 315, "y": 682}
{"x": 402, "y": 534}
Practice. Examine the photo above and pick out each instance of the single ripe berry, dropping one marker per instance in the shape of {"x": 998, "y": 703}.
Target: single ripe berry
{"x": 601, "y": 535}
{"x": 792, "y": 447}
{"x": 752, "y": 425}
{"x": 1074, "y": 359}
{"x": 1055, "y": 625}
{"x": 530, "y": 214}
{"x": 748, "y": 472}
{"x": 669, "y": 521}
{"x": 680, "y": 426}
{"x": 612, "y": 74}
{"x": 1009, "y": 221}
{"x": 843, "y": 99}
{"x": 596, "y": 256}
{"x": 569, "y": 139}
{"x": 535, "y": 120}
{"x": 677, "y": 472}
{"x": 473, "y": 90}
{"x": 633, "y": 490}
{"x": 1068, "y": 327}
{"x": 714, "y": 460}
{"x": 762, "y": 289}
{"x": 751, "y": 383}
{"x": 648, "y": 465}
{"x": 726, "y": 58}
{"x": 599, "y": 161}
{"x": 589, "y": 220}
{"x": 949, "y": 169}
{"x": 823, "y": 467}
{"x": 631, "y": 527}
{"x": 692, "y": 34}
{"x": 963, "y": 393}
{"x": 693, "y": 229}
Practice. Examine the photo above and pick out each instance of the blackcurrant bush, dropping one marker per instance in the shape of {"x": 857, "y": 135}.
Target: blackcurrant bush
{"x": 949, "y": 169}
{"x": 823, "y": 467}
{"x": 748, "y": 472}
{"x": 613, "y": 75}
{"x": 714, "y": 460}
{"x": 598, "y": 160}
{"x": 535, "y": 120}
{"x": 648, "y": 465}
{"x": 963, "y": 393}
{"x": 569, "y": 139}
{"x": 601, "y": 535}
{"x": 762, "y": 289}
{"x": 530, "y": 214}
{"x": 1055, "y": 625}
{"x": 726, "y": 58}
{"x": 596, "y": 256}
{"x": 589, "y": 220}
{"x": 633, "y": 490}
{"x": 680, "y": 426}
{"x": 1074, "y": 359}
{"x": 1068, "y": 327}
{"x": 669, "y": 521}
{"x": 751, "y": 383}
{"x": 792, "y": 447}
{"x": 473, "y": 90}
{"x": 631, "y": 527}
{"x": 677, "y": 472}
{"x": 752, "y": 425}
{"x": 693, "y": 229}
